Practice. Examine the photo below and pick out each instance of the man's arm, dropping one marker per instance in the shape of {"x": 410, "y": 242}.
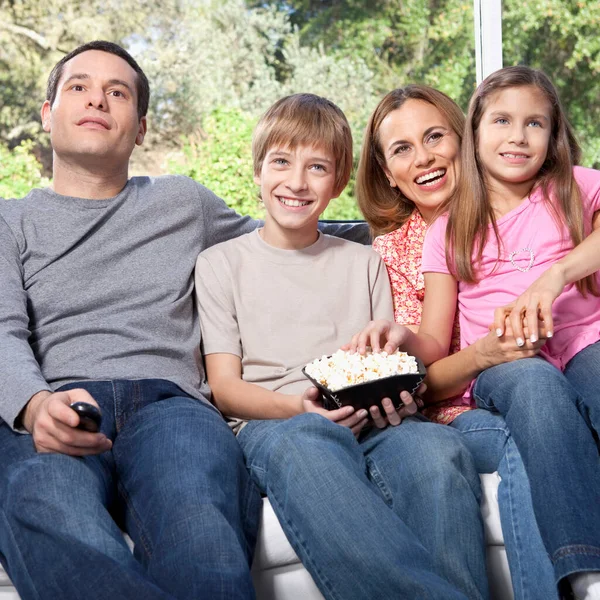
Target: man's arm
{"x": 20, "y": 375}
{"x": 26, "y": 401}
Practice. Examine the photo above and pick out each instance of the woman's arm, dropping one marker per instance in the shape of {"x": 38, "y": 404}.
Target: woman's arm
{"x": 430, "y": 342}
{"x": 452, "y": 375}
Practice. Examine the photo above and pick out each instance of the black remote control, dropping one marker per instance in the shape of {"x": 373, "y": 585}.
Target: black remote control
{"x": 90, "y": 417}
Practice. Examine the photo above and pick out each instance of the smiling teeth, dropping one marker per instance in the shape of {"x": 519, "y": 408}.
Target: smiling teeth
{"x": 290, "y": 202}
{"x": 430, "y": 176}
{"x": 509, "y": 155}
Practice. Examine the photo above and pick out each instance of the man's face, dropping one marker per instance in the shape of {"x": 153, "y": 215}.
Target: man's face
{"x": 94, "y": 120}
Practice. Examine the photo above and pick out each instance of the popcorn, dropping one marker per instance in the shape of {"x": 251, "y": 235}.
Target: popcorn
{"x": 343, "y": 369}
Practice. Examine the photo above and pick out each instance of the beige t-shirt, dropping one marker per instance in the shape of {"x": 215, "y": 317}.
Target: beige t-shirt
{"x": 280, "y": 309}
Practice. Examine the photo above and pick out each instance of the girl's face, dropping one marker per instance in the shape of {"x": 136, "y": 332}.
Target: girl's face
{"x": 421, "y": 154}
{"x": 513, "y": 136}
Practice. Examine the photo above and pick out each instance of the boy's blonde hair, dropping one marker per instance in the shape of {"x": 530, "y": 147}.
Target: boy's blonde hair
{"x": 305, "y": 119}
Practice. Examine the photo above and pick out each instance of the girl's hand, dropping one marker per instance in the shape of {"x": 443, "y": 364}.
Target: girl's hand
{"x": 380, "y": 335}
{"x": 345, "y": 416}
{"x": 492, "y": 350}
{"x": 392, "y": 416}
{"x": 534, "y": 304}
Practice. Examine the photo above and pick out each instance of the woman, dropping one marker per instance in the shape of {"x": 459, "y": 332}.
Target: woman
{"x": 409, "y": 167}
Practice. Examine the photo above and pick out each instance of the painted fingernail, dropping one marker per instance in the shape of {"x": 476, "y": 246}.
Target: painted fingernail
{"x": 499, "y": 332}
{"x": 520, "y": 342}
{"x": 549, "y": 334}
{"x": 533, "y": 339}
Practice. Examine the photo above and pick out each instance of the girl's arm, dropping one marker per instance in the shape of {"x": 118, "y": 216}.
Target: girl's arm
{"x": 538, "y": 298}
{"x": 235, "y": 397}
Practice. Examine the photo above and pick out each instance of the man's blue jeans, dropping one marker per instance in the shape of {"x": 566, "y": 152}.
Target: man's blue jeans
{"x": 554, "y": 420}
{"x": 394, "y": 515}
{"x": 175, "y": 481}
{"x": 489, "y": 440}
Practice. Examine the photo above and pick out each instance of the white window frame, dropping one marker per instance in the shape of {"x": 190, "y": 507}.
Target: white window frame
{"x": 488, "y": 37}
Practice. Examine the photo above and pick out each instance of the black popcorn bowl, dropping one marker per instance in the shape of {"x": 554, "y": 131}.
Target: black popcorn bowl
{"x": 371, "y": 393}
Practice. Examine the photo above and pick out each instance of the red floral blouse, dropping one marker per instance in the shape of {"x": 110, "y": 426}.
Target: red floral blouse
{"x": 401, "y": 251}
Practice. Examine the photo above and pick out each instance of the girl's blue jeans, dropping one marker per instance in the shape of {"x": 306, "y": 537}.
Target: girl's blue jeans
{"x": 175, "y": 481}
{"x": 394, "y": 514}
{"x": 554, "y": 419}
{"x": 486, "y": 435}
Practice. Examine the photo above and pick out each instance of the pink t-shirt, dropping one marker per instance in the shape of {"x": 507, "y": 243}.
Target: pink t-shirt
{"x": 532, "y": 241}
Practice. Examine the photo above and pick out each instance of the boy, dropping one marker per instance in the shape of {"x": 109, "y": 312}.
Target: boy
{"x": 363, "y": 518}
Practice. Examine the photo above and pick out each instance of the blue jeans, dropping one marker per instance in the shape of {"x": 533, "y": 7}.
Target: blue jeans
{"x": 174, "y": 480}
{"x": 553, "y": 418}
{"x": 394, "y": 515}
{"x": 489, "y": 440}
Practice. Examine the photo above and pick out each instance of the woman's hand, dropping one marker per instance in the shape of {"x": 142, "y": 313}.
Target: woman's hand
{"x": 379, "y": 335}
{"x": 492, "y": 350}
{"x": 533, "y": 305}
{"x": 345, "y": 416}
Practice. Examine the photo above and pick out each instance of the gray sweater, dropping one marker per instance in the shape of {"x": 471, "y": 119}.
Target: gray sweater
{"x": 102, "y": 289}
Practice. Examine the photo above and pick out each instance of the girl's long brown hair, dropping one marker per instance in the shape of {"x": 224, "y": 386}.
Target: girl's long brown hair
{"x": 385, "y": 208}
{"x": 470, "y": 211}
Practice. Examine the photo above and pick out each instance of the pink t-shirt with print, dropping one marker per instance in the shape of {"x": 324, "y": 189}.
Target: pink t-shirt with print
{"x": 531, "y": 242}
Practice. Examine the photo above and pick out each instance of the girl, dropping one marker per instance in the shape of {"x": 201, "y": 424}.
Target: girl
{"x": 409, "y": 166}
{"x": 521, "y": 206}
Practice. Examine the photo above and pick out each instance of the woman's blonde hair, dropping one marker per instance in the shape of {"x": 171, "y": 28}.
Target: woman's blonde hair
{"x": 470, "y": 211}
{"x": 386, "y": 208}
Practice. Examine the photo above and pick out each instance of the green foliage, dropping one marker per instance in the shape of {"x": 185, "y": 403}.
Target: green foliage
{"x": 221, "y": 159}
{"x": 19, "y": 171}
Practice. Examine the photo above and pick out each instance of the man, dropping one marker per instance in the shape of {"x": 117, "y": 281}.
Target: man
{"x": 96, "y": 306}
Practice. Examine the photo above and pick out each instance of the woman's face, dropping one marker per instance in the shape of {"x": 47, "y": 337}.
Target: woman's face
{"x": 422, "y": 154}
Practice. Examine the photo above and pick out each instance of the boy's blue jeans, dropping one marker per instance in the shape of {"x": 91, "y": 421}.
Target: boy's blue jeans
{"x": 554, "y": 418}
{"x": 486, "y": 435}
{"x": 394, "y": 515}
{"x": 175, "y": 481}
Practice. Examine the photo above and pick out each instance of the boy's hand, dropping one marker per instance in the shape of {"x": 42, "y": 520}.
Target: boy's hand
{"x": 392, "y": 416}
{"x": 379, "y": 335}
{"x": 52, "y": 423}
{"x": 345, "y": 416}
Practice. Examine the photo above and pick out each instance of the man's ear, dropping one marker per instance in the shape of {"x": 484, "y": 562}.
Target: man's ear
{"x": 45, "y": 114}
{"x": 141, "y": 134}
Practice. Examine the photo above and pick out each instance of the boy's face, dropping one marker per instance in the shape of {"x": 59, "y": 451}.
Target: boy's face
{"x": 296, "y": 186}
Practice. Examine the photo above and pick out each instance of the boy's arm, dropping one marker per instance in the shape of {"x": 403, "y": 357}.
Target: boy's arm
{"x": 235, "y": 397}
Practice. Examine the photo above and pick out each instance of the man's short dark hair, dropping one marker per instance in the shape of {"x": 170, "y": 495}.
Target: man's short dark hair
{"x": 141, "y": 81}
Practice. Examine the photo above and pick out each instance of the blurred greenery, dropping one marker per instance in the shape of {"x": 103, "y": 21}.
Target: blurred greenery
{"x": 216, "y": 65}
{"x": 19, "y": 171}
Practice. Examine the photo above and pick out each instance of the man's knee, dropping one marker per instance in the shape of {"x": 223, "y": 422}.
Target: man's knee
{"x": 46, "y": 483}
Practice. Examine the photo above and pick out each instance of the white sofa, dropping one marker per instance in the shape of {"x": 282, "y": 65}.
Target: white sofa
{"x": 279, "y": 575}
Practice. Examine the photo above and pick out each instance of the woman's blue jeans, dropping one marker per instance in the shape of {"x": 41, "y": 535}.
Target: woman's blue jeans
{"x": 554, "y": 418}
{"x": 394, "y": 515}
{"x": 175, "y": 481}
{"x": 489, "y": 440}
